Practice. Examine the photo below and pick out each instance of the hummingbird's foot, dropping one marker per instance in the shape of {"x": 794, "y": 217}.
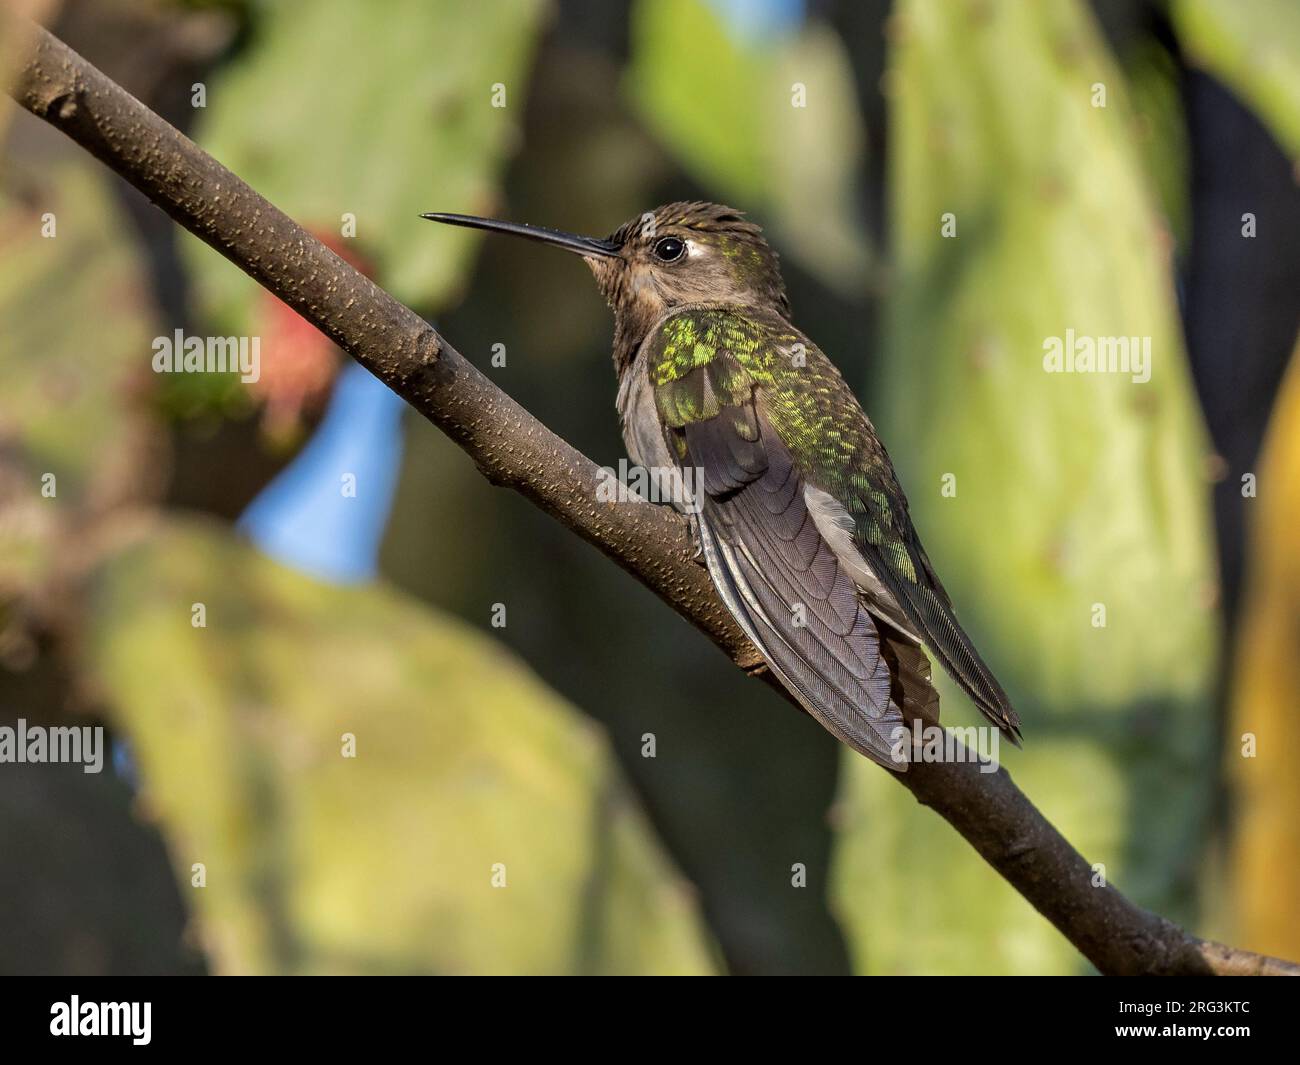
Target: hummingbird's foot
{"x": 693, "y": 526}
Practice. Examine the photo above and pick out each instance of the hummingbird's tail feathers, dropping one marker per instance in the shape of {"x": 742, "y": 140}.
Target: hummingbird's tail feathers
{"x": 867, "y": 523}
{"x": 789, "y": 593}
{"x": 948, "y": 641}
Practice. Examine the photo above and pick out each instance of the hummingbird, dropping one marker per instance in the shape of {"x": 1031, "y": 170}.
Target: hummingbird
{"x": 795, "y": 506}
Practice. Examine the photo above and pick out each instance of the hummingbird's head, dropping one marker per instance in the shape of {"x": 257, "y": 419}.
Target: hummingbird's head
{"x": 678, "y": 254}
{"x": 689, "y": 253}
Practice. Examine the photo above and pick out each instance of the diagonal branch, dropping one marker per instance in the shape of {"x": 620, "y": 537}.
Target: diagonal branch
{"x": 511, "y": 448}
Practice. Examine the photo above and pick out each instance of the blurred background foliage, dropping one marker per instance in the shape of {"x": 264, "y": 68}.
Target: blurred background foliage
{"x": 319, "y": 863}
{"x": 525, "y": 743}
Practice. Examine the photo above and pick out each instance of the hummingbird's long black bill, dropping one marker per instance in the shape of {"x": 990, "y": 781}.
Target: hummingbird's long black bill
{"x": 569, "y": 241}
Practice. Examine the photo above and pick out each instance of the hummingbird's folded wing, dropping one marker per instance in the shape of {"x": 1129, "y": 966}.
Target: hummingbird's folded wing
{"x": 847, "y": 665}
{"x": 777, "y": 436}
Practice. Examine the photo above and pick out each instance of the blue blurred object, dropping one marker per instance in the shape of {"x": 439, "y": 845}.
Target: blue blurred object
{"x": 305, "y": 518}
{"x": 760, "y": 19}
{"x": 124, "y": 762}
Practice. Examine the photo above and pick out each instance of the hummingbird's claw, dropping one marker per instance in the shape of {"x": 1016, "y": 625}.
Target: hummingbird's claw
{"x": 693, "y": 525}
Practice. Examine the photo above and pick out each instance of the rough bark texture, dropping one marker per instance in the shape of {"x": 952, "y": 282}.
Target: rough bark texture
{"x": 513, "y": 449}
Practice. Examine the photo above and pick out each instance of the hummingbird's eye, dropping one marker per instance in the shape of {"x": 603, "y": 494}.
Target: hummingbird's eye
{"x": 669, "y": 249}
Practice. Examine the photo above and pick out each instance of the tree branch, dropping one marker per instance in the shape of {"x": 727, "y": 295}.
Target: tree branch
{"x": 513, "y": 449}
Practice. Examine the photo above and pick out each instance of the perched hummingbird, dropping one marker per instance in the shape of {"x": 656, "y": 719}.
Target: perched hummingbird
{"x": 798, "y": 514}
